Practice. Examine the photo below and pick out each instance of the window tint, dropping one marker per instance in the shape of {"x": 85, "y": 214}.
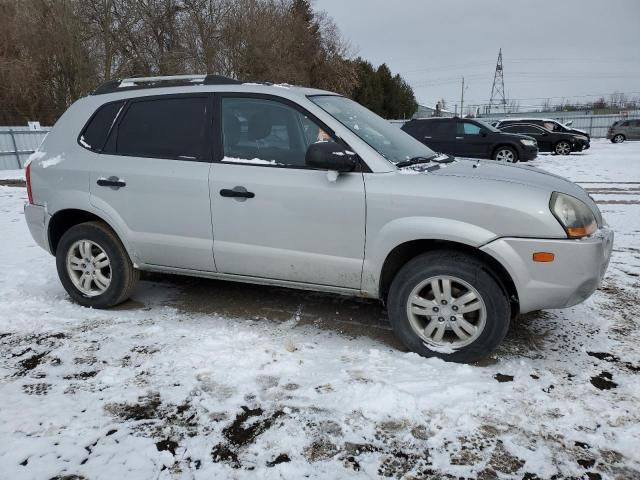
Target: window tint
{"x": 625, "y": 124}
{"x": 267, "y": 132}
{"x": 96, "y": 131}
{"x": 467, "y": 128}
{"x": 525, "y": 129}
{"x": 164, "y": 128}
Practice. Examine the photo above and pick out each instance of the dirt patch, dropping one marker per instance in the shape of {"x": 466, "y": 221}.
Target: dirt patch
{"x": 30, "y": 363}
{"x": 503, "y": 378}
{"x": 146, "y": 408}
{"x": 13, "y": 183}
{"x": 603, "y": 381}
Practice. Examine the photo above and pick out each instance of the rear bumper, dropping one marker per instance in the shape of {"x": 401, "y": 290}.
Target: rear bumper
{"x": 571, "y": 278}
{"x": 37, "y": 220}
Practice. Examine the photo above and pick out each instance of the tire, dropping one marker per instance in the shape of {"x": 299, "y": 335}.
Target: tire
{"x": 88, "y": 255}
{"x": 505, "y": 154}
{"x": 562, "y": 148}
{"x": 618, "y": 138}
{"x": 459, "y": 268}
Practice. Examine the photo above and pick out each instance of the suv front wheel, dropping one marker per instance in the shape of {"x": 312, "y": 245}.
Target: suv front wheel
{"x": 446, "y": 304}
{"x": 505, "y": 154}
{"x": 94, "y": 267}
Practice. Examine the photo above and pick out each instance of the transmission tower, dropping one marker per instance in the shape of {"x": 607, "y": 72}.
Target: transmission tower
{"x": 497, "y": 91}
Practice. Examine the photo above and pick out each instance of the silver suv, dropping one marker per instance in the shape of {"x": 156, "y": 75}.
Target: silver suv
{"x": 302, "y": 188}
{"x": 624, "y": 130}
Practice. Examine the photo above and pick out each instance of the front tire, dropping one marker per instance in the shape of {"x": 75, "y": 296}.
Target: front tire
{"x": 562, "y": 148}
{"x": 505, "y": 154}
{"x": 619, "y": 138}
{"x": 94, "y": 267}
{"x": 449, "y": 305}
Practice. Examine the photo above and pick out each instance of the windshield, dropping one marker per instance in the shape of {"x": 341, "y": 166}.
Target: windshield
{"x": 389, "y": 141}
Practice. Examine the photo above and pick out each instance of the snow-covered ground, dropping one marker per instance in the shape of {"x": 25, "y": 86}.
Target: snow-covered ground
{"x": 164, "y": 388}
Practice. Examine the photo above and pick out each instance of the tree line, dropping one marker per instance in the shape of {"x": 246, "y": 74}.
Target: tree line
{"x": 52, "y": 52}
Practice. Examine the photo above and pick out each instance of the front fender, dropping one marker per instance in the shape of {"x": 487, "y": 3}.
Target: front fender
{"x": 407, "y": 229}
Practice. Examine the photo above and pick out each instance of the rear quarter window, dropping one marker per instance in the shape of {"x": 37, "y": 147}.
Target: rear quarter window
{"x": 95, "y": 133}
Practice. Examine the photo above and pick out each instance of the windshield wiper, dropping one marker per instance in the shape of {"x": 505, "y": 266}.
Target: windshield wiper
{"x": 429, "y": 159}
{"x": 416, "y": 161}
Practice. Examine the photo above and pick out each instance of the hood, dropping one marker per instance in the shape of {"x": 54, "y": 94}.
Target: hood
{"x": 578, "y": 131}
{"x": 516, "y": 174}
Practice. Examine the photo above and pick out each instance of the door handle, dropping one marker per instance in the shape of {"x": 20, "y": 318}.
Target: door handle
{"x": 237, "y": 192}
{"x": 459, "y": 138}
{"x": 114, "y": 182}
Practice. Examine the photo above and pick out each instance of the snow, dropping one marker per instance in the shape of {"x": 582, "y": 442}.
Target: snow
{"x": 34, "y": 157}
{"x": 104, "y": 394}
{"x": 50, "y": 162}
{"x": 12, "y": 174}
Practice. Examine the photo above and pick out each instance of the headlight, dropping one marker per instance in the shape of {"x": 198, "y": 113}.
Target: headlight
{"x": 528, "y": 143}
{"x": 576, "y": 218}
{"x": 582, "y": 137}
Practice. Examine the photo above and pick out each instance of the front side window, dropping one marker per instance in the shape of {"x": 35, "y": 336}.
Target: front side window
{"x": 171, "y": 128}
{"x": 468, "y": 128}
{"x": 389, "y": 141}
{"x": 263, "y": 131}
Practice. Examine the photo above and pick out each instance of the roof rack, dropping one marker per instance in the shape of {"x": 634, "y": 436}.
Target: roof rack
{"x": 135, "y": 83}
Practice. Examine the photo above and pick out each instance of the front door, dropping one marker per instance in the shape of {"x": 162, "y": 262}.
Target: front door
{"x": 471, "y": 140}
{"x": 273, "y": 217}
{"x": 152, "y": 180}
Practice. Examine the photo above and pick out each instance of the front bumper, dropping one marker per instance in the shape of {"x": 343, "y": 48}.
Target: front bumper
{"x": 528, "y": 153}
{"x": 571, "y": 278}
{"x": 36, "y": 216}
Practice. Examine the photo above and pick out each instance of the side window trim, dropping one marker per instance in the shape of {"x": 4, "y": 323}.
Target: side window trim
{"x": 218, "y": 144}
{"x": 207, "y": 147}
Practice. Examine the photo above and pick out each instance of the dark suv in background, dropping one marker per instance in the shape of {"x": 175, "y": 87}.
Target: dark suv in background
{"x": 464, "y": 137}
{"x": 554, "y": 126}
{"x": 559, "y": 143}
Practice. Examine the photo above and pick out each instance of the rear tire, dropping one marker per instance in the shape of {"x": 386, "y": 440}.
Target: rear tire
{"x": 94, "y": 267}
{"x": 418, "y": 317}
{"x": 562, "y": 148}
{"x": 618, "y": 138}
{"x": 505, "y": 154}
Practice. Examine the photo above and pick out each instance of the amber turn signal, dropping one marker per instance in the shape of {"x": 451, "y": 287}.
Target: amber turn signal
{"x": 543, "y": 257}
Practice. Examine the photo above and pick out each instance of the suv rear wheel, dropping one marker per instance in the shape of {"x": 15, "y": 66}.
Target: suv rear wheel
{"x": 446, "y": 304}
{"x": 618, "y": 138}
{"x": 94, "y": 267}
{"x": 505, "y": 154}
{"x": 562, "y": 148}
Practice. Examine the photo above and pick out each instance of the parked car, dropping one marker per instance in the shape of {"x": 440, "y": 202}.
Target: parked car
{"x": 304, "y": 188}
{"x": 471, "y": 138}
{"x": 548, "y": 141}
{"x": 624, "y": 130}
{"x": 552, "y": 125}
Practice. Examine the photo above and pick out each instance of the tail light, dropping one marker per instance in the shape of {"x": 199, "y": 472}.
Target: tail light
{"x": 27, "y": 174}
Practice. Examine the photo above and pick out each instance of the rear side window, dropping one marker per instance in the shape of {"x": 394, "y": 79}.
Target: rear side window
{"x": 172, "y": 128}
{"x": 95, "y": 133}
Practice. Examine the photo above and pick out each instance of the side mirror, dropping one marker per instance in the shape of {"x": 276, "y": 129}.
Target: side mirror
{"x": 330, "y": 156}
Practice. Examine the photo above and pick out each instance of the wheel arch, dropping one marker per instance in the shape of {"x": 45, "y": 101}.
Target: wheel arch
{"x": 403, "y": 253}
{"x": 63, "y": 220}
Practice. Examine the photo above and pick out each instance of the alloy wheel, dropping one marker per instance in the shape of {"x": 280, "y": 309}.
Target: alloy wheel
{"x": 89, "y": 268}
{"x": 446, "y": 312}
{"x": 505, "y": 155}
{"x": 618, "y": 138}
{"x": 563, "y": 148}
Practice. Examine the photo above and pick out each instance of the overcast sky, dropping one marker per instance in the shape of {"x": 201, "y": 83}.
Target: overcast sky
{"x": 562, "y": 48}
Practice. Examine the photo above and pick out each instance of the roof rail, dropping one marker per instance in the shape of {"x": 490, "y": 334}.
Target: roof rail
{"x": 135, "y": 83}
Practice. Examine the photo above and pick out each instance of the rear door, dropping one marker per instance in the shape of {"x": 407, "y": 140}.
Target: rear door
{"x": 274, "y": 217}
{"x": 151, "y": 180}
{"x": 541, "y": 135}
{"x": 438, "y": 135}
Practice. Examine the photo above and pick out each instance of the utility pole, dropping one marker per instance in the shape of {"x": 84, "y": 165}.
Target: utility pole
{"x": 497, "y": 91}
{"x": 462, "y": 100}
